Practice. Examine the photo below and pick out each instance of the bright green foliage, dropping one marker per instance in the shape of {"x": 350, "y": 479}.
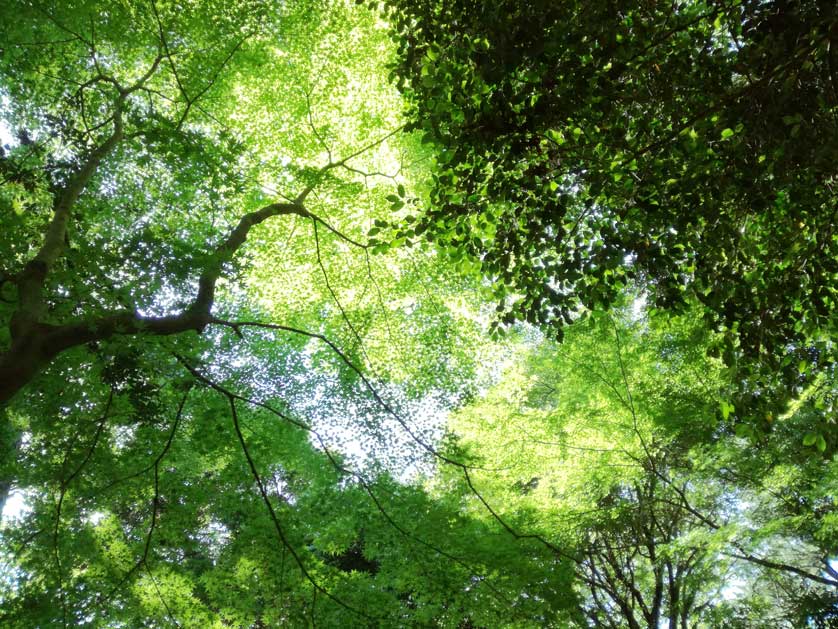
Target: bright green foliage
{"x": 225, "y": 376}
{"x": 611, "y": 449}
{"x": 197, "y": 169}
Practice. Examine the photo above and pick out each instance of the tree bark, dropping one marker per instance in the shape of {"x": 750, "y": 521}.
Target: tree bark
{"x": 35, "y": 344}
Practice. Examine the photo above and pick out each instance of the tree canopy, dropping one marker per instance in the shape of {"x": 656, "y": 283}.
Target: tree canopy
{"x": 405, "y": 314}
{"x": 687, "y": 147}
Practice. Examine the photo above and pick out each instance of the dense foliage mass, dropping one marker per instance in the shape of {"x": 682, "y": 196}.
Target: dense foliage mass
{"x": 281, "y": 288}
{"x": 688, "y": 147}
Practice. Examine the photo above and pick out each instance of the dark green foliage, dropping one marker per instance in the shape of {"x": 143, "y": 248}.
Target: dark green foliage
{"x": 687, "y": 148}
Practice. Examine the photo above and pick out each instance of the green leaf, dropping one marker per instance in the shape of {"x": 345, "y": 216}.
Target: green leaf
{"x": 556, "y": 136}
{"x": 726, "y": 409}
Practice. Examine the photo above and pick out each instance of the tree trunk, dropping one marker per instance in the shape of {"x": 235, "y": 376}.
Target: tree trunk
{"x": 20, "y": 365}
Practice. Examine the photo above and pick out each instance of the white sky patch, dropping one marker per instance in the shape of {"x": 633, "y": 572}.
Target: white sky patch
{"x": 734, "y": 589}
{"x": 638, "y": 306}
{"x": 96, "y": 517}
{"x": 123, "y": 436}
{"x": 16, "y": 506}
{"x": 214, "y": 535}
{"x": 6, "y": 135}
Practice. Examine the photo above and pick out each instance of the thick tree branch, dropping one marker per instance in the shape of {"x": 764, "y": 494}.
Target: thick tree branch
{"x": 36, "y": 343}
{"x": 227, "y": 249}
{"x": 32, "y": 278}
{"x": 776, "y": 565}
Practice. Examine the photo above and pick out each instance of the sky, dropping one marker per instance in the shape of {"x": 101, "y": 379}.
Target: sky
{"x": 6, "y": 136}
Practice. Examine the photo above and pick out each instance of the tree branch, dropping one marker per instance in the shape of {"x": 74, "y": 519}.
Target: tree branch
{"x": 227, "y": 249}
{"x": 33, "y": 276}
{"x": 776, "y": 565}
{"x": 343, "y": 470}
{"x": 277, "y": 526}
{"x": 36, "y": 343}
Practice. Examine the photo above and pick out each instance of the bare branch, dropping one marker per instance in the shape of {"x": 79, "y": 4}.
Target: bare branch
{"x": 741, "y": 552}
{"x": 314, "y": 127}
{"x": 167, "y": 53}
{"x": 331, "y": 165}
{"x": 231, "y": 398}
{"x": 160, "y": 596}
{"x": 343, "y": 314}
{"x": 776, "y": 565}
{"x": 367, "y": 175}
{"x": 164, "y": 42}
{"x": 143, "y": 560}
{"x": 150, "y": 466}
{"x": 61, "y": 26}
{"x": 190, "y": 102}
{"x": 65, "y": 483}
{"x": 403, "y": 423}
